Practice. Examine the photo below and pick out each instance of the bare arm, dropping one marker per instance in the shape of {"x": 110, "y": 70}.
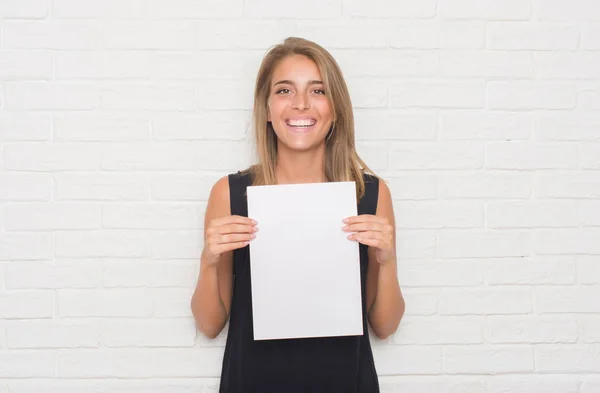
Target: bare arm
{"x": 384, "y": 298}
{"x": 211, "y": 301}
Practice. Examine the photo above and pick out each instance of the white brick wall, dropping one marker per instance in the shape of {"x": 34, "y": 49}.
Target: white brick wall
{"x": 117, "y": 116}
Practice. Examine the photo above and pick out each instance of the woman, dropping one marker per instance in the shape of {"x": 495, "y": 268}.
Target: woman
{"x": 304, "y": 128}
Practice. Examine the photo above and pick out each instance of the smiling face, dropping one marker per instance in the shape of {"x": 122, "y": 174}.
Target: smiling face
{"x": 298, "y": 108}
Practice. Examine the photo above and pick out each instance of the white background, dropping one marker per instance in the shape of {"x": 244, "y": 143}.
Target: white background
{"x": 117, "y": 116}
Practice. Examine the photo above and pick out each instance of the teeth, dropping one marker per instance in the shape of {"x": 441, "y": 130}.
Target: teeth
{"x": 301, "y": 123}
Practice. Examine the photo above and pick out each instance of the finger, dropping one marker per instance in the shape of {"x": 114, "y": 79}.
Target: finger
{"x": 367, "y": 235}
{"x": 232, "y": 246}
{"x": 364, "y": 218}
{"x": 232, "y": 220}
{"x": 235, "y": 228}
{"x": 234, "y": 238}
{"x": 367, "y": 226}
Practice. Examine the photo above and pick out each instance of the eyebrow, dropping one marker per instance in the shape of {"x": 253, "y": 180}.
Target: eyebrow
{"x": 289, "y": 82}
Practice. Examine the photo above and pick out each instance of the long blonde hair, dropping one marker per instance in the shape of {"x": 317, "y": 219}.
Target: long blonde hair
{"x": 342, "y": 162}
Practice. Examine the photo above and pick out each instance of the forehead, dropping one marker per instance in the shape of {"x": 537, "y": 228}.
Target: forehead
{"x": 296, "y": 68}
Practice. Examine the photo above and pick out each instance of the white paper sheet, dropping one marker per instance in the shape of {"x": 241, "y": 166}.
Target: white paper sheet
{"x": 305, "y": 272}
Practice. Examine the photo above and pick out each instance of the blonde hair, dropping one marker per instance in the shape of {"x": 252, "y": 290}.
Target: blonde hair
{"x": 342, "y": 162}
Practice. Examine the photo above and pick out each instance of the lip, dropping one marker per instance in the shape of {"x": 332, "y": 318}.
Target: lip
{"x": 300, "y": 130}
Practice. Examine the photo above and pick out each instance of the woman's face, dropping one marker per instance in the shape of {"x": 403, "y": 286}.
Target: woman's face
{"x": 298, "y": 107}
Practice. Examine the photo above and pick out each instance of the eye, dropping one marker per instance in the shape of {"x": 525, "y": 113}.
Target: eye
{"x": 319, "y": 91}
{"x": 283, "y": 91}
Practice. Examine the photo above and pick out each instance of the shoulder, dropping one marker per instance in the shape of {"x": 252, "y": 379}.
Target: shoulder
{"x": 219, "y": 198}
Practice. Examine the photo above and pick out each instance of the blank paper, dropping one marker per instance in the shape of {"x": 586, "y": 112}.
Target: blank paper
{"x": 305, "y": 272}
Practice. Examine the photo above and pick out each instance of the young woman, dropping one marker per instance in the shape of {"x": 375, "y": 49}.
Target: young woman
{"x": 304, "y": 128}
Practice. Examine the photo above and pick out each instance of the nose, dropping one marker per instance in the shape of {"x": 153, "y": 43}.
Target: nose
{"x": 300, "y": 101}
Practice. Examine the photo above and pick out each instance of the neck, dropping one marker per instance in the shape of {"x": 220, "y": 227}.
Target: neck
{"x": 306, "y": 167}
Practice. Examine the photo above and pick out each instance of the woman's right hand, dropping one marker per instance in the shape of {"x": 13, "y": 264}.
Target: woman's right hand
{"x": 226, "y": 234}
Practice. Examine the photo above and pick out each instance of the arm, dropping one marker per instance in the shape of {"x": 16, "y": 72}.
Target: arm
{"x": 211, "y": 300}
{"x": 385, "y": 303}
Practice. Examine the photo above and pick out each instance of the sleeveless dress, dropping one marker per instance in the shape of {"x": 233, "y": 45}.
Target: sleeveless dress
{"x": 307, "y": 365}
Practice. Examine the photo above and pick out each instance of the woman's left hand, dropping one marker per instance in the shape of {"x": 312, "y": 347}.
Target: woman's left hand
{"x": 373, "y": 231}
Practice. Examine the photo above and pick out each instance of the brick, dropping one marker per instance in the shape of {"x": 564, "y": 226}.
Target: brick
{"x": 528, "y": 95}
{"x": 442, "y": 274}
{"x": 391, "y": 9}
{"x": 29, "y": 127}
{"x": 267, "y": 9}
{"x": 52, "y": 157}
{"x": 590, "y": 330}
{"x": 433, "y": 383}
{"x": 52, "y": 334}
{"x": 431, "y": 155}
{"x": 567, "y": 358}
{"x": 19, "y": 364}
{"x": 77, "y": 65}
{"x": 191, "y": 9}
{"x": 380, "y": 63}
{"x": 530, "y": 36}
{"x": 81, "y": 303}
{"x": 52, "y": 96}
{"x": 108, "y": 9}
{"x": 367, "y": 94}
{"x": 440, "y": 330}
{"x": 590, "y": 32}
{"x": 488, "y": 359}
{"x": 490, "y": 185}
{"x": 568, "y": 65}
{"x": 100, "y": 128}
{"x": 590, "y": 385}
{"x": 416, "y": 34}
{"x": 568, "y": 127}
{"x": 25, "y": 65}
{"x": 576, "y": 10}
{"x": 486, "y": 126}
{"x": 476, "y": 243}
{"x": 22, "y": 246}
{"x": 438, "y": 95}
{"x": 414, "y": 186}
{"x": 177, "y": 385}
{"x": 215, "y": 95}
{"x": 567, "y": 241}
{"x": 151, "y": 274}
{"x": 529, "y": 384}
{"x": 151, "y": 216}
{"x": 486, "y": 301}
{"x": 146, "y": 97}
{"x": 508, "y": 329}
{"x": 416, "y": 243}
{"x": 394, "y": 125}
{"x": 485, "y": 9}
{"x": 25, "y": 9}
{"x": 522, "y": 214}
{"x": 188, "y": 362}
{"x": 205, "y": 65}
{"x": 588, "y": 270}
{"x": 30, "y": 304}
{"x": 126, "y": 363}
{"x": 345, "y": 33}
{"x": 176, "y": 244}
{"x": 538, "y": 271}
{"x": 25, "y": 187}
{"x": 102, "y": 243}
{"x": 589, "y": 100}
{"x": 50, "y": 35}
{"x": 172, "y": 302}
{"x": 102, "y": 186}
{"x": 527, "y": 155}
{"x": 63, "y": 273}
{"x": 565, "y": 184}
{"x": 182, "y": 187}
{"x": 421, "y": 301}
{"x": 149, "y": 35}
{"x": 439, "y": 214}
{"x": 241, "y": 34}
{"x": 147, "y": 333}
{"x": 228, "y": 125}
{"x": 51, "y": 216}
{"x": 407, "y": 359}
{"x": 473, "y": 64}
{"x": 376, "y": 154}
{"x": 52, "y": 385}
{"x": 576, "y": 299}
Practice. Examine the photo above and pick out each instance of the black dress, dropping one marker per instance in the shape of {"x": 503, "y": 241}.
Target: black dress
{"x": 308, "y": 365}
